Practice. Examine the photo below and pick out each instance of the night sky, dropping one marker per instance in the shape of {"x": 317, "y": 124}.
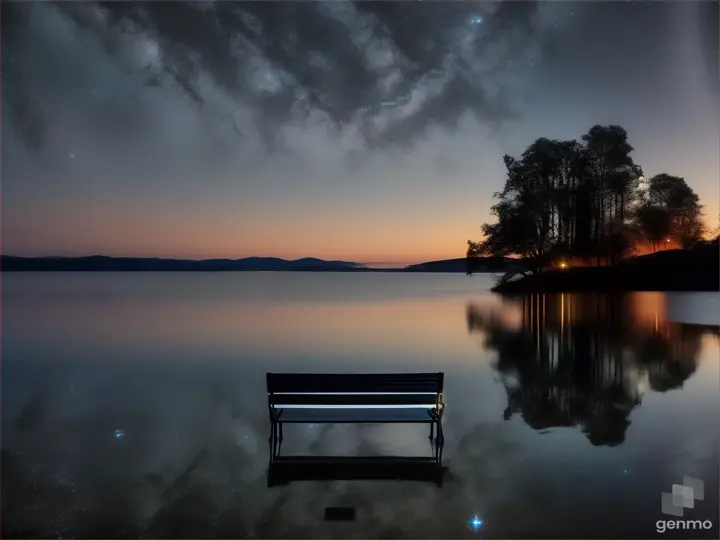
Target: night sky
{"x": 371, "y": 132}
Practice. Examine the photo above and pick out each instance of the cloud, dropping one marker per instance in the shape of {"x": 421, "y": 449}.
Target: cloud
{"x": 386, "y": 71}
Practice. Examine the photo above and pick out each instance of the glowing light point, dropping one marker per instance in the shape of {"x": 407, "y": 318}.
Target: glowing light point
{"x": 119, "y": 433}
{"x": 476, "y": 19}
{"x": 72, "y": 155}
{"x": 476, "y": 522}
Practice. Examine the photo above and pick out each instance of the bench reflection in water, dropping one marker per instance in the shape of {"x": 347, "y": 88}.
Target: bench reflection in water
{"x": 284, "y": 470}
{"x": 406, "y": 398}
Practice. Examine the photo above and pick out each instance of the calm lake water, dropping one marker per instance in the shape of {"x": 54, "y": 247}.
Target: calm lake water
{"x": 134, "y": 405}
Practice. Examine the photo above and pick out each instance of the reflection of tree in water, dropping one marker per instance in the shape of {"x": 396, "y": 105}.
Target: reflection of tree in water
{"x": 669, "y": 356}
{"x": 585, "y": 360}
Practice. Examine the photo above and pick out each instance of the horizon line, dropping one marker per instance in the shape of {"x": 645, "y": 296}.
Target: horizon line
{"x": 403, "y": 263}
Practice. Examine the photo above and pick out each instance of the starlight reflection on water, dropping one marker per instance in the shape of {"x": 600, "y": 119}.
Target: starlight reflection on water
{"x": 134, "y": 405}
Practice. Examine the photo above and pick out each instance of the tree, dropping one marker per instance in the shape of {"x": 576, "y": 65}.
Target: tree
{"x": 682, "y": 205}
{"x": 523, "y": 223}
{"x": 565, "y": 199}
{"x": 614, "y": 177}
{"x": 654, "y": 223}
{"x": 714, "y": 234}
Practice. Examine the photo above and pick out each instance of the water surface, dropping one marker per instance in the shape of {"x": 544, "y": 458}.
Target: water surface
{"x": 134, "y": 405}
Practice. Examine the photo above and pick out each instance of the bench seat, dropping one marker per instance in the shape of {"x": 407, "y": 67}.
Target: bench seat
{"x": 355, "y": 415}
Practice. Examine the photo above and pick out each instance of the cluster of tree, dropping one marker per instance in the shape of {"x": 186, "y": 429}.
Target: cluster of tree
{"x": 589, "y": 199}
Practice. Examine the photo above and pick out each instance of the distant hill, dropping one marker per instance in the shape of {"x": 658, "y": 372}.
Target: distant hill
{"x": 480, "y": 264}
{"x": 100, "y": 263}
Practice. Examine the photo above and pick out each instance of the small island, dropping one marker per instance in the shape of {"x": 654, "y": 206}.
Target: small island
{"x": 582, "y": 217}
{"x": 694, "y": 269}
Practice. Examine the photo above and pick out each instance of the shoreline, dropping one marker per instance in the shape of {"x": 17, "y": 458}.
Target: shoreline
{"x": 574, "y": 281}
{"x": 690, "y": 270}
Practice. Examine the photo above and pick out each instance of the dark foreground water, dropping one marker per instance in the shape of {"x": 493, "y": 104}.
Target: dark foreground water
{"x": 134, "y": 405}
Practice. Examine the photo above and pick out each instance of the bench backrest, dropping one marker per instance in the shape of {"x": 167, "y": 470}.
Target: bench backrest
{"x": 392, "y": 389}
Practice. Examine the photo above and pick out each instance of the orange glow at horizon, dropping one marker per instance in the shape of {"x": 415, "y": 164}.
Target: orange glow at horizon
{"x": 428, "y": 230}
{"x": 69, "y": 230}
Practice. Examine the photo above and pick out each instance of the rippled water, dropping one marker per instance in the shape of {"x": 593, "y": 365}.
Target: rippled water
{"x": 134, "y": 405}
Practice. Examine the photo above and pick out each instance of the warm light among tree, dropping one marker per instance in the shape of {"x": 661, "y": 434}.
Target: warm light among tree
{"x": 588, "y": 202}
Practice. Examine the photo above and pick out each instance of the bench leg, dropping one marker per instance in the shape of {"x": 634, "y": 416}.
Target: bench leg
{"x": 276, "y": 438}
{"x": 440, "y": 442}
{"x": 271, "y": 441}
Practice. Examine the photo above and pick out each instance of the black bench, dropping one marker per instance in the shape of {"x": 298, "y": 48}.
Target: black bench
{"x": 309, "y": 398}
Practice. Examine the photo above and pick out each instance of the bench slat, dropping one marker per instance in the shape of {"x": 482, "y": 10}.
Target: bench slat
{"x": 364, "y": 382}
{"x": 280, "y": 400}
{"x": 341, "y": 416}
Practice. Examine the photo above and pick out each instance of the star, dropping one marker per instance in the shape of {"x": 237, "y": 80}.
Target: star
{"x": 476, "y": 522}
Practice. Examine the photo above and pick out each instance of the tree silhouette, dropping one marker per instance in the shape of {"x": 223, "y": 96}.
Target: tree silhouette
{"x": 578, "y": 360}
{"x": 715, "y": 233}
{"x": 565, "y": 199}
{"x": 682, "y": 205}
{"x": 654, "y": 222}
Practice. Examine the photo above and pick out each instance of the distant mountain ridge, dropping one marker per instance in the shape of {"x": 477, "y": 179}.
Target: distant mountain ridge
{"x": 100, "y": 263}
